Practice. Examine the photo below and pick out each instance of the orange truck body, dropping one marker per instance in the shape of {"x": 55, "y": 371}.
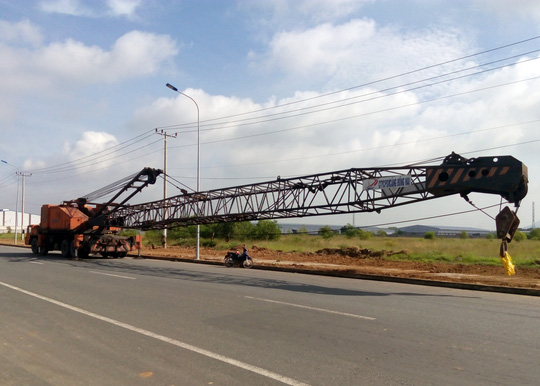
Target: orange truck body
{"x": 64, "y": 227}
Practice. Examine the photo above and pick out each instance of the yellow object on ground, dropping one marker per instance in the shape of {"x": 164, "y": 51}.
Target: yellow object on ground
{"x": 508, "y": 265}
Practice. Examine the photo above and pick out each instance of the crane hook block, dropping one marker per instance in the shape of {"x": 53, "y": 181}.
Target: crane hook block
{"x": 507, "y": 224}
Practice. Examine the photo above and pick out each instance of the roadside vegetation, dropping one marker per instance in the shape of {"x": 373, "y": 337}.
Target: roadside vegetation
{"x": 524, "y": 249}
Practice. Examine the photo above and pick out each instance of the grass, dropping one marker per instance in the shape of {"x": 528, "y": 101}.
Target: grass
{"x": 462, "y": 251}
{"x": 9, "y": 237}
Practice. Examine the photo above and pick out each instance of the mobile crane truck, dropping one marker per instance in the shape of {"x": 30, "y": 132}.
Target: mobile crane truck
{"x": 78, "y": 228}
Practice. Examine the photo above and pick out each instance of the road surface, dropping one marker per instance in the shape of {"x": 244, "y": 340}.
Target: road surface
{"x": 146, "y": 322}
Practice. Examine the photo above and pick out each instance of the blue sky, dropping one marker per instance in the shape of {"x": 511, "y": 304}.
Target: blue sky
{"x": 82, "y": 85}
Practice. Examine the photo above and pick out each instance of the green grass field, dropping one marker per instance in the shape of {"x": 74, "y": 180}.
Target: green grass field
{"x": 463, "y": 251}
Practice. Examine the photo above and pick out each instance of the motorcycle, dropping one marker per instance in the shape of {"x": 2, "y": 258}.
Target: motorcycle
{"x": 238, "y": 260}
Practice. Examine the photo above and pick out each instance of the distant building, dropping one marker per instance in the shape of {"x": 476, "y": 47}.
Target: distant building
{"x": 7, "y": 221}
{"x": 442, "y": 231}
{"x": 313, "y": 229}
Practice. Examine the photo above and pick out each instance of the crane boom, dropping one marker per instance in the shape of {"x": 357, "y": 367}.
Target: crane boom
{"x": 346, "y": 191}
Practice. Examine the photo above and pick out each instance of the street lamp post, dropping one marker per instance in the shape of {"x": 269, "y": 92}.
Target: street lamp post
{"x": 197, "y": 250}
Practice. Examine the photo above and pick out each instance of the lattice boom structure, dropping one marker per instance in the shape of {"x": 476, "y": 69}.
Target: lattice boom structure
{"x": 347, "y": 191}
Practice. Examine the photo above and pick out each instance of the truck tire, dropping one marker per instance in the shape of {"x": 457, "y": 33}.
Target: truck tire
{"x": 65, "y": 248}
{"x": 34, "y": 246}
{"x": 43, "y": 251}
{"x": 72, "y": 250}
{"x": 83, "y": 253}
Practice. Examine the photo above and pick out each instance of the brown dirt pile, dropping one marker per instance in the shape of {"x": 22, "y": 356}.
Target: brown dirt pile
{"x": 368, "y": 262}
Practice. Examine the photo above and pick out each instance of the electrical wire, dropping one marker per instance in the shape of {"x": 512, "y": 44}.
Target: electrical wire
{"x": 373, "y": 95}
{"x": 365, "y": 84}
{"x": 385, "y": 110}
{"x": 92, "y": 158}
{"x": 431, "y": 217}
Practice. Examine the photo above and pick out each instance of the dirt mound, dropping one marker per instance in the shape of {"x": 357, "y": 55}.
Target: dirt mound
{"x": 368, "y": 262}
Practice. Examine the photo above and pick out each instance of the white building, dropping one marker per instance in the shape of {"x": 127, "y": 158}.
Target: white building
{"x": 7, "y": 221}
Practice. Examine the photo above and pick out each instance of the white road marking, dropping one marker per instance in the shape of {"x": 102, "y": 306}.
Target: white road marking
{"x": 186, "y": 346}
{"x": 112, "y": 274}
{"x": 312, "y": 308}
{"x": 35, "y": 262}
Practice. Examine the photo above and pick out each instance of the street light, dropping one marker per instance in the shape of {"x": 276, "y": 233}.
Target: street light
{"x": 17, "y": 200}
{"x": 197, "y": 255}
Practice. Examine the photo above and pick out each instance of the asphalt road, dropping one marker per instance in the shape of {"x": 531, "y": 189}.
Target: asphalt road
{"x": 146, "y": 322}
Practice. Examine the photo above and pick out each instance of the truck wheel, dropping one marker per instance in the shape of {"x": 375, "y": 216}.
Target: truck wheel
{"x": 43, "y": 251}
{"x": 72, "y": 250}
{"x": 34, "y": 245}
{"x": 65, "y": 248}
{"x": 83, "y": 253}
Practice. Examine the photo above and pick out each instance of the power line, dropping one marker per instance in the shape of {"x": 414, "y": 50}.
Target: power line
{"x": 66, "y": 166}
{"x": 92, "y": 158}
{"x": 364, "y": 84}
{"x": 373, "y": 95}
{"x": 385, "y": 110}
{"x": 273, "y": 161}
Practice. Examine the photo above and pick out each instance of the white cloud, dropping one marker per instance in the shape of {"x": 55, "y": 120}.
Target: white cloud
{"x": 323, "y": 10}
{"x": 20, "y": 32}
{"x": 522, "y": 9}
{"x": 133, "y": 55}
{"x": 317, "y": 51}
{"x": 91, "y": 142}
{"x": 331, "y": 56}
{"x": 66, "y": 7}
{"x": 113, "y": 8}
{"x": 123, "y": 7}
{"x": 277, "y": 15}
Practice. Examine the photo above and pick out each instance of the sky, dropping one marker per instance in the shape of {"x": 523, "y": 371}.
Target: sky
{"x": 281, "y": 87}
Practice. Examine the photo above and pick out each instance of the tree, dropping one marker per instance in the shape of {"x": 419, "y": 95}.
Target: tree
{"x": 208, "y": 231}
{"x": 224, "y": 230}
{"x": 364, "y": 235}
{"x": 326, "y": 232}
{"x": 430, "y": 235}
{"x": 303, "y": 230}
{"x": 266, "y": 230}
{"x": 463, "y": 235}
{"x": 182, "y": 232}
{"x": 534, "y": 234}
{"x": 243, "y": 230}
{"x": 381, "y": 233}
{"x": 520, "y": 236}
{"x": 349, "y": 231}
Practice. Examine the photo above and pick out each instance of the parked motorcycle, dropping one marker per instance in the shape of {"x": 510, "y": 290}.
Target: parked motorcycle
{"x": 236, "y": 259}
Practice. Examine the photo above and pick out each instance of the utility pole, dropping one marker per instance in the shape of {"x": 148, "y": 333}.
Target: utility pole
{"x": 24, "y": 175}
{"x": 533, "y": 223}
{"x": 165, "y": 135}
{"x": 18, "y": 173}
